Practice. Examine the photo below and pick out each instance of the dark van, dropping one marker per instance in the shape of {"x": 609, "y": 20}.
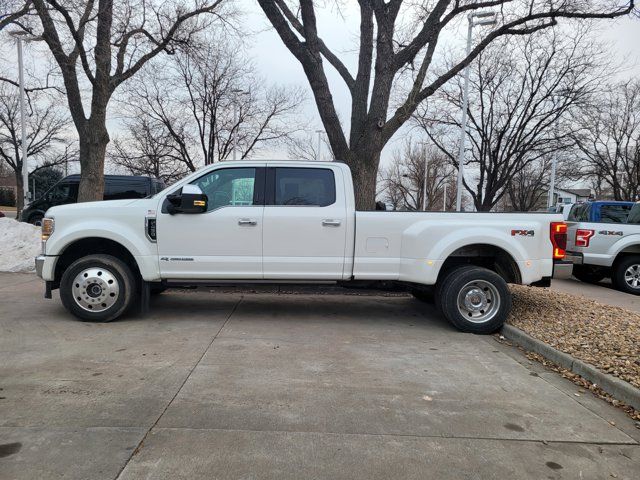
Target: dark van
{"x": 116, "y": 187}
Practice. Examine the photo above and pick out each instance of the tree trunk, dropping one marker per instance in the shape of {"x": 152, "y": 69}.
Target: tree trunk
{"x": 364, "y": 170}
{"x": 93, "y": 147}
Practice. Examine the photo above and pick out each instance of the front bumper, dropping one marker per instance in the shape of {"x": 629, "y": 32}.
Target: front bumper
{"x": 46, "y": 267}
{"x": 562, "y": 269}
{"x": 40, "y": 259}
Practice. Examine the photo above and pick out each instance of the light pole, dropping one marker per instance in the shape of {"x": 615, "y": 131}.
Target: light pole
{"x": 444, "y": 198}
{"x": 486, "y": 18}
{"x": 319, "y": 132}
{"x": 23, "y": 125}
{"x": 235, "y": 126}
{"x": 554, "y": 161}
{"x": 426, "y": 177}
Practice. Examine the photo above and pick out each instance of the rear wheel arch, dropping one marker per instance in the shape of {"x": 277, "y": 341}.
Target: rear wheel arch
{"x": 484, "y": 255}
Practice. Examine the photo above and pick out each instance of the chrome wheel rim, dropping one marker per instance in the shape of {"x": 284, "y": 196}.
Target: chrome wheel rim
{"x": 478, "y": 301}
{"x": 95, "y": 289}
{"x": 632, "y": 276}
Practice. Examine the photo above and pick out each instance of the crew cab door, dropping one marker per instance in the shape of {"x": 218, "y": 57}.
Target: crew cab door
{"x": 305, "y": 223}
{"x": 225, "y": 242}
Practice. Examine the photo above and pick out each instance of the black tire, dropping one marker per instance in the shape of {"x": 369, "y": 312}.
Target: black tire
{"x": 624, "y": 282}
{"x": 437, "y": 291}
{"x": 102, "y": 272}
{"x": 588, "y": 274}
{"x": 483, "y": 308}
{"x": 425, "y": 294}
{"x": 36, "y": 219}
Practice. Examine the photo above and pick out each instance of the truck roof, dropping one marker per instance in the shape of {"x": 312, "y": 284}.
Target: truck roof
{"x": 76, "y": 176}
{"x": 293, "y": 163}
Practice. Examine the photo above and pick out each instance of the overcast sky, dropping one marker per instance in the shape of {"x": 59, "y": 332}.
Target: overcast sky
{"x": 340, "y": 31}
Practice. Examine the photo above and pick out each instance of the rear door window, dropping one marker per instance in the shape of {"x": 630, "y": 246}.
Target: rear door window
{"x": 305, "y": 186}
{"x": 614, "y": 213}
{"x": 119, "y": 190}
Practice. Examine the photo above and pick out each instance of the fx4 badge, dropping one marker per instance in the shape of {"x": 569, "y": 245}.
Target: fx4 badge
{"x": 176, "y": 259}
{"x": 610, "y": 232}
{"x": 522, "y": 233}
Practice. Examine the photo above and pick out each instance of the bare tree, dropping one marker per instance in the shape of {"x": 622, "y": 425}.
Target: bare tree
{"x": 403, "y": 181}
{"x": 11, "y": 11}
{"x": 148, "y": 149}
{"x": 47, "y": 142}
{"x": 609, "y": 140}
{"x": 395, "y": 55}
{"x": 99, "y": 45}
{"x": 521, "y": 92}
{"x": 305, "y": 145}
{"x": 205, "y": 100}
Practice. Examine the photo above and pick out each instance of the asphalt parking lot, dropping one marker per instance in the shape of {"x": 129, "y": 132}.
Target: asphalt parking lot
{"x": 241, "y": 385}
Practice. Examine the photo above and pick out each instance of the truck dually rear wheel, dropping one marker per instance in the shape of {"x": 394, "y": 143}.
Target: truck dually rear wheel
{"x": 475, "y": 299}
{"x": 97, "y": 288}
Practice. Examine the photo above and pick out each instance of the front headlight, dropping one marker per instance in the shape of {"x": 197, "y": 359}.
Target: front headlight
{"x": 48, "y": 225}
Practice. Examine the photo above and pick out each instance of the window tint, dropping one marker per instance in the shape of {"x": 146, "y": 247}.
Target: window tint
{"x": 119, "y": 190}
{"x": 578, "y": 213}
{"x": 305, "y": 186}
{"x": 64, "y": 193}
{"x": 228, "y": 187}
{"x": 614, "y": 213}
{"x": 634, "y": 214}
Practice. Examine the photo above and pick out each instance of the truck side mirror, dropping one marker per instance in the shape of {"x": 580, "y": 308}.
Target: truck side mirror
{"x": 189, "y": 200}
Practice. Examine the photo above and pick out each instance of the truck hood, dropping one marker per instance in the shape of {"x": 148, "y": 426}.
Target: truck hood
{"x": 103, "y": 208}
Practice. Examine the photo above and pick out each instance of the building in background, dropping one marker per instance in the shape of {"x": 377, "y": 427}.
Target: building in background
{"x": 571, "y": 195}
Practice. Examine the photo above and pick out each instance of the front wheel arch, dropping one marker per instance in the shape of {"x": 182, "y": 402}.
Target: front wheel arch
{"x": 94, "y": 245}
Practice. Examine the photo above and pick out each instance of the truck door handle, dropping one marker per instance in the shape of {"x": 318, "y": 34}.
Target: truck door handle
{"x": 247, "y": 221}
{"x": 330, "y": 223}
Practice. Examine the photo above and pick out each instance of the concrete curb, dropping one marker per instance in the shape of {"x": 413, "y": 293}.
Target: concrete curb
{"x": 617, "y": 388}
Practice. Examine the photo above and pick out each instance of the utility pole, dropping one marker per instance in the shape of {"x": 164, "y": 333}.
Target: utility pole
{"x": 490, "y": 20}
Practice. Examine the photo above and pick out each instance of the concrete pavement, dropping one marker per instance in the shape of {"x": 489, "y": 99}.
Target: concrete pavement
{"x": 232, "y": 385}
{"x": 602, "y": 292}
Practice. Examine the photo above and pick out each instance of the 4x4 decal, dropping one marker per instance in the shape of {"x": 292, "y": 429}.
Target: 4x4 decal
{"x": 610, "y": 232}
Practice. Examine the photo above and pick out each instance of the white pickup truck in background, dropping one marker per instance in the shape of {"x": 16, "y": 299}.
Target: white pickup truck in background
{"x": 291, "y": 222}
{"x": 606, "y": 246}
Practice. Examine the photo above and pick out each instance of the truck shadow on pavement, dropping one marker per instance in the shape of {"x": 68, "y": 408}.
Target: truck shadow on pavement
{"x": 297, "y": 308}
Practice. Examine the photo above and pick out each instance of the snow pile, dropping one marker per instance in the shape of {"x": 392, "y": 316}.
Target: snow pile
{"x": 19, "y": 244}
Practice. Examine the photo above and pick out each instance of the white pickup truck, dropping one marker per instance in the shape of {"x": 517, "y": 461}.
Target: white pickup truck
{"x": 291, "y": 222}
{"x": 606, "y": 244}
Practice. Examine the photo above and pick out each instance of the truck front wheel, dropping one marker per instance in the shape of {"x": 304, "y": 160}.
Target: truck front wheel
{"x": 97, "y": 288}
{"x": 475, "y": 300}
{"x": 626, "y": 275}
